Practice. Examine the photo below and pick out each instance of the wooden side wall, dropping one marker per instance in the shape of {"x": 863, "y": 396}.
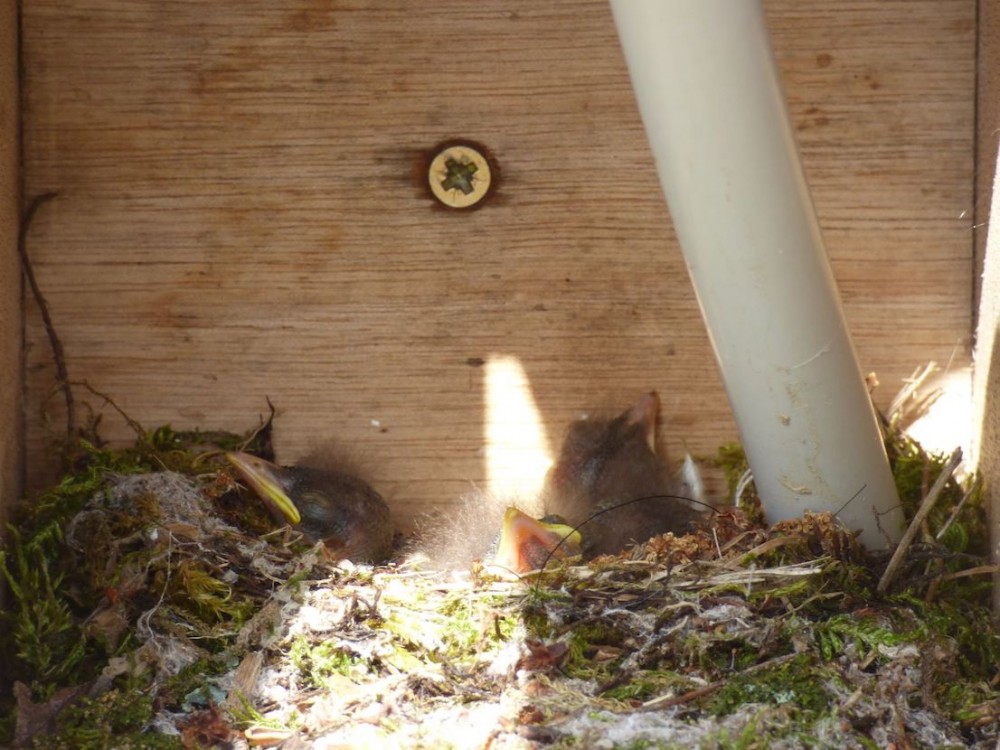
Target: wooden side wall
{"x": 986, "y": 401}
{"x": 11, "y": 423}
{"x": 239, "y": 216}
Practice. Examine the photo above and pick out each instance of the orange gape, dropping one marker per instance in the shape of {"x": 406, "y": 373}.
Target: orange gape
{"x": 526, "y": 544}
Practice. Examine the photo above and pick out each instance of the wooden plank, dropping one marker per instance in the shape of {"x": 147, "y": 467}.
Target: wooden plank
{"x": 986, "y": 384}
{"x": 987, "y": 124}
{"x": 239, "y": 216}
{"x": 11, "y": 323}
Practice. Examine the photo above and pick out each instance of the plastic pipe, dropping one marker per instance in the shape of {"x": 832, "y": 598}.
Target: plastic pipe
{"x": 710, "y": 96}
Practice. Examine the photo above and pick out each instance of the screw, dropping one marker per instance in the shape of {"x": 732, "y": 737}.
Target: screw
{"x": 460, "y": 175}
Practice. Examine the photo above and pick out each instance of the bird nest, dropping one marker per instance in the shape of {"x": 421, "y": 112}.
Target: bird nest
{"x": 148, "y": 608}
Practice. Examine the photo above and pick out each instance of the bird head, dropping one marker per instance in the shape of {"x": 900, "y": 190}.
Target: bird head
{"x": 272, "y": 484}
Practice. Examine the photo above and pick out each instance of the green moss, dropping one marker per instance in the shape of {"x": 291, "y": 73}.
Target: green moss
{"x": 649, "y": 684}
{"x": 536, "y": 621}
{"x": 797, "y": 682}
{"x": 118, "y": 719}
{"x": 462, "y": 628}
{"x": 48, "y": 643}
{"x": 197, "y": 442}
{"x": 786, "y": 725}
{"x": 320, "y": 663}
{"x": 583, "y": 643}
{"x": 732, "y": 459}
{"x": 867, "y": 634}
{"x": 749, "y": 738}
{"x": 53, "y": 590}
{"x": 176, "y": 690}
{"x": 711, "y": 653}
{"x": 457, "y": 630}
{"x": 209, "y": 598}
{"x": 972, "y": 630}
{"x": 641, "y": 689}
{"x": 505, "y": 626}
{"x": 915, "y": 470}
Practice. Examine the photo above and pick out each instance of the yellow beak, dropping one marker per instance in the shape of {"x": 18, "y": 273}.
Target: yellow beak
{"x": 265, "y": 479}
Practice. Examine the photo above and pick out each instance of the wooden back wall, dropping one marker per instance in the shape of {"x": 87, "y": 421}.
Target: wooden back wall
{"x": 240, "y": 217}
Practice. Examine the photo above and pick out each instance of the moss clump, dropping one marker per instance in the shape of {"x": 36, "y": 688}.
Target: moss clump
{"x": 799, "y": 682}
{"x": 117, "y": 719}
{"x": 961, "y": 525}
{"x": 961, "y": 648}
{"x": 81, "y": 562}
{"x": 591, "y": 650}
{"x": 649, "y": 684}
{"x": 48, "y": 644}
{"x": 536, "y": 619}
{"x": 320, "y": 663}
{"x": 462, "y": 630}
{"x": 185, "y": 451}
{"x": 205, "y": 595}
{"x": 193, "y": 681}
{"x": 869, "y": 634}
{"x": 732, "y": 459}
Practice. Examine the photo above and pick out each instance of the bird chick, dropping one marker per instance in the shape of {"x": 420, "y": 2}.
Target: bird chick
{"x": 602, "y": 463}
{"x": 611, "y": 479}
{"x": 324, "y": 503}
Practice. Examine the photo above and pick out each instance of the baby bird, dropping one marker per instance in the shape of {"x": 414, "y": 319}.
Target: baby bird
{"x": 611, "y": 478}
{"x": 324, "y": 503}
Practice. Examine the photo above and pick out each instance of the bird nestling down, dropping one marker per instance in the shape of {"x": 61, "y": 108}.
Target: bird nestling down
{"x": 610, "y": 487}
{"x": 324, "y": 503}
{"x": 613, "y": 481}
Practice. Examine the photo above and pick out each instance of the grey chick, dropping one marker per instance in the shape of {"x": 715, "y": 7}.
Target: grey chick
{"x": 324, "y": 503}
{"x": 602, "y": 463}
{"x": 607, "y": 463}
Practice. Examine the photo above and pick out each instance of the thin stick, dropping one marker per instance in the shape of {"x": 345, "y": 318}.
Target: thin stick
{"x": 977, "y": 571}
{"x": 56, "y": 345}
{"x": 902, "y": 412}
{"x": 666, "y": 701}
{"x": 639, "y": 658}
{"x": 958, "y": 508}
{"x": 263, "y": 425}
{"x": 136, "y": 427}
{"x": 925, "y": 508}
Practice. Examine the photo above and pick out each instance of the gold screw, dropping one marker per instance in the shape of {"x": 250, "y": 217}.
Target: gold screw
{"x": 459, "y": 175}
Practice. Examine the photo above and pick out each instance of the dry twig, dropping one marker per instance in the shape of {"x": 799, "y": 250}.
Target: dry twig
{"x": 666, "y": 701}
{"x": 925, "y": 508}
{"x": 58, "y": 357}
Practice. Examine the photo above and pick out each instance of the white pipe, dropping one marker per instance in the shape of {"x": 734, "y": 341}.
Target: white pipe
{"x": 710, "y": 96}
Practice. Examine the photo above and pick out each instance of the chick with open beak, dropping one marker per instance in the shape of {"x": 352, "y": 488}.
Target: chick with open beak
{"x": 611, "y": 486}
{"x": 526, "y": 544}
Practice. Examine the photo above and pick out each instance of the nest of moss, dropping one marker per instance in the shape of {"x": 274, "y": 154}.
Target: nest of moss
{"x": 150, "y": 606}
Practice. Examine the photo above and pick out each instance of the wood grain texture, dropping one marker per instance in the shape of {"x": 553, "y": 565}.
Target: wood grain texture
{"x": 986, "y": 382}
{"x": 987, "y": 128}
{"x": 240, "y": 218}
{"x": 11, "y": 308}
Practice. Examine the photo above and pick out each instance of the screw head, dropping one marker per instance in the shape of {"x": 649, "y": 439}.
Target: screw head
{"x": 460, "y": 175}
